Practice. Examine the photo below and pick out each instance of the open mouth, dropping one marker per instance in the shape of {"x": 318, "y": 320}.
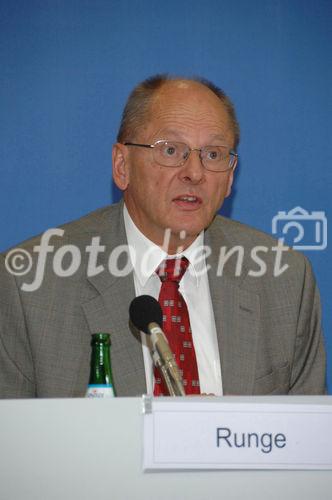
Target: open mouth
{"x": 187, "y": 201}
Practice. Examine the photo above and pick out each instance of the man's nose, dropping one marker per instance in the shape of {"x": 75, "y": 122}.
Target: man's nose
{"x": 193, "y": 169}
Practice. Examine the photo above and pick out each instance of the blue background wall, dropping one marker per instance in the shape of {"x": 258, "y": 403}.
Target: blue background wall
{"x": 66, "y": 68}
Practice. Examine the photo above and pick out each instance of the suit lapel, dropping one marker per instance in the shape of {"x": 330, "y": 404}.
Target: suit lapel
{"x": 236, "y": 312}
{"x": 108, "y": 312}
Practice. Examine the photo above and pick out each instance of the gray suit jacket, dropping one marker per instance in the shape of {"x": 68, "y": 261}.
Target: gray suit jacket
{"x": 268, "y": 327}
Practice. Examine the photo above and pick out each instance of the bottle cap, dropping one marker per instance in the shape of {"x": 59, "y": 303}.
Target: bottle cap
{"x": 103, "y": 338}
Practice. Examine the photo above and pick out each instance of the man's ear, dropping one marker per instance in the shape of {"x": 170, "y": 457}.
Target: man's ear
{"x": 230, "y": 179}
{"x": 120, "y": 166}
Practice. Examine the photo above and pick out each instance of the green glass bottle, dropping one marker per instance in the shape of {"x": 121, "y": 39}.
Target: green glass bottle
{"x": 101, "y": 380}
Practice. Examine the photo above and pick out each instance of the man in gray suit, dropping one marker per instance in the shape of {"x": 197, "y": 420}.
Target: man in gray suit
{"x": 174, "y": 161}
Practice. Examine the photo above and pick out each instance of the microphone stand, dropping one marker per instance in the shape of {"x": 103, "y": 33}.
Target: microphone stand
{"x": 174, "y": 386}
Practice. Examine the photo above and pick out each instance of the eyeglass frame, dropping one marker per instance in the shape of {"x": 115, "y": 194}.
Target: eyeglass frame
{"x": 152, "y": 146}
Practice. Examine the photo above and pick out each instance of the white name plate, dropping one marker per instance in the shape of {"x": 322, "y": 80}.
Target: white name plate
{"x": 188, "y": 434}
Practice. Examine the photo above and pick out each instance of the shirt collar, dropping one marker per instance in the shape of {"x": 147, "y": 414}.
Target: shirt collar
{"x": 146, "y": 256}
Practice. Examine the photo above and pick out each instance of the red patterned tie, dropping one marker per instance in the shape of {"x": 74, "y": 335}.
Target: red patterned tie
{"x": 176, "y": 326}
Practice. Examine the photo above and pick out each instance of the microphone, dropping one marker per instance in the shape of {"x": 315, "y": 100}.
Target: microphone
{"x": 146, "y": 315}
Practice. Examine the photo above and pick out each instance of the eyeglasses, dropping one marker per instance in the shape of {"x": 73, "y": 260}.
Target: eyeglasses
{"x": 175, "y": 154}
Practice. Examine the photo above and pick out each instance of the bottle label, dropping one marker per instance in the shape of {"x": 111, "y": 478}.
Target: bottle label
{"x": 100, "y": 391}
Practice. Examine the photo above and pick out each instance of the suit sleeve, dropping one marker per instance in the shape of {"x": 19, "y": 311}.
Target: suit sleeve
{"x": 309, "y": 364}
{"x": 16, "y": 364}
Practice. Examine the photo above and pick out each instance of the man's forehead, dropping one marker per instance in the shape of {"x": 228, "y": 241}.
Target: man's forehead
{"x": 185, "y": 96}
{"x": 183, "y": 105}
{"x": 187, "y": 99}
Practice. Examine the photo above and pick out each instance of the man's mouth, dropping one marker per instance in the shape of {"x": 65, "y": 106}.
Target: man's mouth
{"x": 188, "y": 201}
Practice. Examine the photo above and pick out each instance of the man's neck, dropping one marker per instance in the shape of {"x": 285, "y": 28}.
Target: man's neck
{"x": 172, "y": 243}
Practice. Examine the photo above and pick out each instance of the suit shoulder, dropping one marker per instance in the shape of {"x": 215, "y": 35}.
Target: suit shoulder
{"x": 238, "y": 232}
{"x": 81, "y": 229}
{"x": 232, "y": 233}
{"x": 95, "y": 222}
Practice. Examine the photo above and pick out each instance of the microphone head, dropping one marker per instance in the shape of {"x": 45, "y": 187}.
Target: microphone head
{"x": 144, "y": 310}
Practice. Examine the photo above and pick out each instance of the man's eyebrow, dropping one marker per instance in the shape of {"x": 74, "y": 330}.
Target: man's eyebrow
{"x": 179, "y": 135}
{"x": 219, "y": 137}
{"x": 168, "y": 131}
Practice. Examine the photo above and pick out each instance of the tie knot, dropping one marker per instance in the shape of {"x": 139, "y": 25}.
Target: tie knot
{"x": 172, "y": 269}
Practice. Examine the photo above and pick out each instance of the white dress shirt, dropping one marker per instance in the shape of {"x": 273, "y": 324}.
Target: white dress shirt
{"x": 194, "y": 287}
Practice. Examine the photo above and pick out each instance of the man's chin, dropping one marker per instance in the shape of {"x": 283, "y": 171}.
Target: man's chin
{"x": 185, "y": 233}
{"x": 191, "y": 228}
